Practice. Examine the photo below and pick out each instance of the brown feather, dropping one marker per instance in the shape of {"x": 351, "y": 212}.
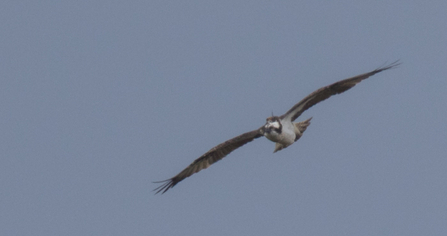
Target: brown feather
{"x": 335, "y": 88}
{"x": 213, "y": 155}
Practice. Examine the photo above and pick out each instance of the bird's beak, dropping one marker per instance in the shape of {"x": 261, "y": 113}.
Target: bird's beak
{"x": 266, "y": 129}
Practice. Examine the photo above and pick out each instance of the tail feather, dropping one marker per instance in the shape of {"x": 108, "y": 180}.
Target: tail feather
{"x": 278, "y": 147}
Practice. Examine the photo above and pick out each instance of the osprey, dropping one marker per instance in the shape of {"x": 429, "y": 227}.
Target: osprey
{"x": 279, "y": 129}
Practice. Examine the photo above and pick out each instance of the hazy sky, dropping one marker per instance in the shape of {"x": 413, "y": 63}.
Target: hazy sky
{"x": 100, "y": 98}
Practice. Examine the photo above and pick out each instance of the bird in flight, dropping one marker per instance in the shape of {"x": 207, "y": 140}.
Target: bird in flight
{"x": 279, "y": 129}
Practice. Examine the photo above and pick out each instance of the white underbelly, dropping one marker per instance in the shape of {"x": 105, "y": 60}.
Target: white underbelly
{"x": 286, "y": 137}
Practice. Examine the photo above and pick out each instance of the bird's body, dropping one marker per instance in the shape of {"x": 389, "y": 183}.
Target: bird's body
{"x": 284, "y": 132}
{"x": 279, "y": 129}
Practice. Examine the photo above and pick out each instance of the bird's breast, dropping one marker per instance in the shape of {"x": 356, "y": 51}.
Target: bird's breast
{"x": 287, "y": 135}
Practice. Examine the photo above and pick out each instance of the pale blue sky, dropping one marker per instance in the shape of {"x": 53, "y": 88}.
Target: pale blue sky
{"x": 100, "y": 98}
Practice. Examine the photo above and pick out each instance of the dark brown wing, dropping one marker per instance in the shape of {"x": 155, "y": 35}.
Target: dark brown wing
{"x": 213, "y": 155}
{"x": 325, "y": 92}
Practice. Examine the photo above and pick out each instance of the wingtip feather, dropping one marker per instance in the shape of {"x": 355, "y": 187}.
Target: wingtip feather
{"x": 167, "y": 184}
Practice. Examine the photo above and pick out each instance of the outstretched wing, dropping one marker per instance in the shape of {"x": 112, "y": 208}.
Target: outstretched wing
{"x": 213, "y": 155}
{"x": 325, "y": 92}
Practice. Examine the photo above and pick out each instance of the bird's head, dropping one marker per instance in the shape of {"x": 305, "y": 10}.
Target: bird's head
{"x": 273, "y": 123}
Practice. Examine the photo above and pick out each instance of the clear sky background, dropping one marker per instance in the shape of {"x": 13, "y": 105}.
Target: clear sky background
{"x": 100, "y": 98}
